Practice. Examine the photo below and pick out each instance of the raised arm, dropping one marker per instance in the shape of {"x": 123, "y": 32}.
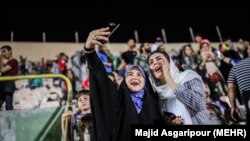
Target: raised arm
{"x": 103, "y": 93}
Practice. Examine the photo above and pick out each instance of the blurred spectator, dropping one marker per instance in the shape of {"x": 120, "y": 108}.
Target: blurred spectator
{"x": 84, "y": 68}
{"x": 245, "y": 45}
{"x": 141, "y": 59}
{"x": 127, "y": 57}
{"x": 248, "y": 51}
{"x": 23, "y": 68}
{"x": 239, "y": 76}
{"x": 8, "y": 67}
{"x": 158, "y": 43}
{"x": 75, "y": 63}
{"x": 107, "y": 62}
{"x": 85, "y": 82}
{"x": 62, "y": 61}
{"x": 230, "y": 56}
{"x": 36, "y": 82}
{"x": 215, "y": 108}
{"x": 55, "y": 67}
{"x": 107, "y": 52}
{"x": 240, "y": 52}
{"x": 208, "y": 68}
{"x": 187, "y": 59}
{"x": 198, "y": 38}
{"x": 227, "y": 44}
{"x": 76, "y": 68}
{"x": 174, "y": 54}
{"x": 70, "y": 74}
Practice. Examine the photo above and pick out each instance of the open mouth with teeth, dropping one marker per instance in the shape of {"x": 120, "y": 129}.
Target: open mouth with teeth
{"x": 158, "y": 69}
{"x": 134, "y": 83}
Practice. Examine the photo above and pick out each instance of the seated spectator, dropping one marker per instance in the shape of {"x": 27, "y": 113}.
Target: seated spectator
{"x": 107, "y": 62}
{"x": 187, "y": 60}
{"x": 214, "y": 108}
{"x": 208, "y": 68}
{"x": 158, "y": 43}
{"x": 198, "y": 38}
{"x": 70, "y": 74}
{"x": 141, "y": 59}
{"x": 82, "y": 119}
{"x": 37, "y": 82}
{"x": 127, "y": 57}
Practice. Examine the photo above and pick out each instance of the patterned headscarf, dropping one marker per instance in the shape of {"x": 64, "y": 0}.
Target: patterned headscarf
{"x": 137, "y": 97}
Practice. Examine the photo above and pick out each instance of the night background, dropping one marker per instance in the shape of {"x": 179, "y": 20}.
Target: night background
{"x": 60, "y": 20}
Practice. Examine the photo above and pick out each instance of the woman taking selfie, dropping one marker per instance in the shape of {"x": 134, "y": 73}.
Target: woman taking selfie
{"x": 115, "y": 111}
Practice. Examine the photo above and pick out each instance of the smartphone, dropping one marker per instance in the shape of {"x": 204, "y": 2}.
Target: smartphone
{"x": 113, "y": 27}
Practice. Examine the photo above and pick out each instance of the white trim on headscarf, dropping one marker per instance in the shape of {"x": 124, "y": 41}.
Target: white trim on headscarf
{"x": 169, "y": 102}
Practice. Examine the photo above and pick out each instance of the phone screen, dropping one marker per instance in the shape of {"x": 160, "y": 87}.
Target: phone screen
{"x": 113, "y": 27}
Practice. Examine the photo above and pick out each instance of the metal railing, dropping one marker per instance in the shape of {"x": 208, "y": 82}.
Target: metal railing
{"x": 66, "y": 130}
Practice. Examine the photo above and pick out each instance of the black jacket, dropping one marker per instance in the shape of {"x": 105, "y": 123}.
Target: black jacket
{"x": 114, "y": 111}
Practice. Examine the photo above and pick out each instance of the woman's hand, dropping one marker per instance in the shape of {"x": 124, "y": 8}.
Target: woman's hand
{"x": 235, "y": 113}
{"x": 174, "y": 121}
{"x": 97, "y": 37}
{"x": 165, "y": 70}
{"x": 167, "y": 75}
{"x": 177, "y": 121}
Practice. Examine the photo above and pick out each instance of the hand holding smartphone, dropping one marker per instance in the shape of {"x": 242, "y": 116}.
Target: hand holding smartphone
{"x": 100, "y": 36}
{"x": 112, "y": 28}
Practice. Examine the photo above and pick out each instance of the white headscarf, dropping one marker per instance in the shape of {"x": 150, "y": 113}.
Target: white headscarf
{"x": 169, "y": 102}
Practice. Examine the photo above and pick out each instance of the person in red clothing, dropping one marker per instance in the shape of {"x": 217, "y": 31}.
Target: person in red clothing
{"x": 62, "y": 62}
{"x": 8, "y": 67}
{"x": 85, "y": 83}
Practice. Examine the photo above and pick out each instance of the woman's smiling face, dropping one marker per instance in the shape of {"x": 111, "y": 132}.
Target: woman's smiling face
{"x": 135, "y": 79}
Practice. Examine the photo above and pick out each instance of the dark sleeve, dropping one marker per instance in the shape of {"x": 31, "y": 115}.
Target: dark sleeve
{"x": 103, "y": 95}
{"x": 123, "y": 55}
{"x": 13, "y": 63}
{"x": 135, "y": 54}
